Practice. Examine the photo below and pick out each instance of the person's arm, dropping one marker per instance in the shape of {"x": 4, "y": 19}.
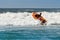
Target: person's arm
{"x": 40, "y": 14}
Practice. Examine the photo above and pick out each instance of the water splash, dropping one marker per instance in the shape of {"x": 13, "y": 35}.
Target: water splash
{"x": 25, "y": 18}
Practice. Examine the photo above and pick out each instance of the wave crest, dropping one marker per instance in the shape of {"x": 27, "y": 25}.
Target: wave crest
{"x": 26, "y": 18}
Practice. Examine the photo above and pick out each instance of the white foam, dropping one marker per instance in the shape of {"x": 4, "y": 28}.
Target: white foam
{"x": 26, "y": 18}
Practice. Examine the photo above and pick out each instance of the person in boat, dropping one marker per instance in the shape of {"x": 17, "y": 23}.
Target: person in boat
{"x": 39, "y": 17}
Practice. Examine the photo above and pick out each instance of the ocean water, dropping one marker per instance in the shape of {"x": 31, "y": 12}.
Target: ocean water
{"x": 18, "y": 24}
{"x": 30, "y": 33}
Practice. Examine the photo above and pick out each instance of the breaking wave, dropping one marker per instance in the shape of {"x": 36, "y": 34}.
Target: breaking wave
{"x": 25, "y": 18}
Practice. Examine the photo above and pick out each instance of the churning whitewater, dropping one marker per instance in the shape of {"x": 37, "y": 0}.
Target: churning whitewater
{"x": 25, "y": 18}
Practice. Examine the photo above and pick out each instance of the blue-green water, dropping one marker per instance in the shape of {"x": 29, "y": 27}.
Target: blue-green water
{"x": 4, "y": 10}
{"x": 30, "y": 34}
